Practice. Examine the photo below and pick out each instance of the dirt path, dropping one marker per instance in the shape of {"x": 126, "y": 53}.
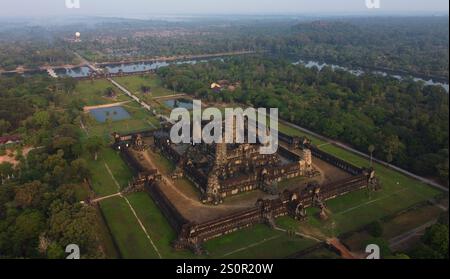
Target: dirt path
{"x": 89, "y": 108}
{"x": 106, "y": 197}
{"x": 337, "y": 244}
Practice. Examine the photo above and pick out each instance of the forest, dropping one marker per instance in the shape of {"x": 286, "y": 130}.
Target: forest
{"x": 405, "y": 122}
{"x": 40, "y": 209}
{"x": 416, "y": 46}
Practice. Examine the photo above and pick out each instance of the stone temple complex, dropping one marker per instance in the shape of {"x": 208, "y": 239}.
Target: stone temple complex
{"x": 215, "y": 189}
{"x": 222, "y": 170}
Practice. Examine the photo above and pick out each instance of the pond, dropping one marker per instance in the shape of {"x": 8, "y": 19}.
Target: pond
{"x": 114, "y": 113}
{"x": 145, "y": 66}
{"x": 179, "y": 103}
{"x": 74, "y": 72}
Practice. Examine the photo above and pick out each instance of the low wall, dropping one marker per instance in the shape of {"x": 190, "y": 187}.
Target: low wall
{"x": 174, "y": 217}
{"x": 267, "y": 210}
{"x": 322, "y": 155}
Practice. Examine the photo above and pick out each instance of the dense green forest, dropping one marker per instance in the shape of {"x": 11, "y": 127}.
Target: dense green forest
{"x": 406, "y": 121}
{"x": 418, "y": 46}
{"x": 40, "y": 211}
{"x": 413, "y": 45}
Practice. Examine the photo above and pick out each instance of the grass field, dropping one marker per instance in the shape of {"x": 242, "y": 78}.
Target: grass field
{"x": 126, "y": 232}
{"x": 258, "y": 241}
{"x": 410, "y": 220}
{"x": 130, "y": 238}
{"x": 157, "y": 226}
{"x": 134, "y": 84}
{"x": 140, "y": 120}
{"x": 92, "y": 93}
{"x": 102, "y": 182}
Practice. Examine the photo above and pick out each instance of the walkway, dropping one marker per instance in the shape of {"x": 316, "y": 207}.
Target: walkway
{"x": 52, "y": 73}
{"x": 89, "y": 108}
{"x": 106, "y": 197}
{"x": 343, "y": 251}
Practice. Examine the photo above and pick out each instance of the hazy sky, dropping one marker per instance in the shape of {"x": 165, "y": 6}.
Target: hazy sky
{"x": 128, "y": 7}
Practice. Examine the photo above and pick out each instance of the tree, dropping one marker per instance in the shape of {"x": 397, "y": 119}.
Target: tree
{"x": 110, "y": 93}
{"x": 4, "y": 126}
{"x": 41, "y": 119}
{"x": 69, "y": 84}
{"x": 6, "y": 169}
{"x": 30, "y": 195}
{"x": 436, "y": 237}
{"x": 80, "y": 170}
{"x": 392, "y": 146}
{"x": 371, "y": 150}
{"x": 55, "y": 251}
{"x": 94, "y": 145}
{"x": 75, "y": 224}
{"x": 27, "y": 228}
{"x": 423, "y": 251}
{"x": 67, "y": 144}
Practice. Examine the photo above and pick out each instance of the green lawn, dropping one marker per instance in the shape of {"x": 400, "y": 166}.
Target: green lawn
{"x": 295, "y": 132}
{"x": 134, "y": 83}
{"x": 140, "y": 120}
{"x": 106, "y": 237}
{"x": 256, "y": 242}
{"x": 102, "y": 182}
{"x": 398, "y": 192}
{"x": 410, "y": 220}
{"x": 92, "y": 93}
{"x": 128, "y": 235}
{"x": 156, "y": 225}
